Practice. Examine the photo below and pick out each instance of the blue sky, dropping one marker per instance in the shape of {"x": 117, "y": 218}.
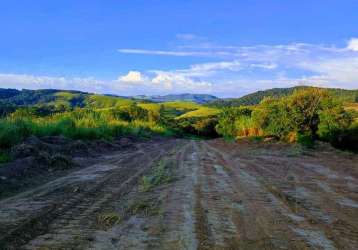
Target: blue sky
{"x": 226, "y": 48}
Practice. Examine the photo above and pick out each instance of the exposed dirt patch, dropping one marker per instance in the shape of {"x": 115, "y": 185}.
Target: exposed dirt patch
{"x": 182, "y": 194}
{"x": 36, "y": 161}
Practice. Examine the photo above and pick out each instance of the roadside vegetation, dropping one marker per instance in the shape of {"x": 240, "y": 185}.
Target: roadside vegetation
{"x": 300, "y": 115}
{"x": 307, "y": 115}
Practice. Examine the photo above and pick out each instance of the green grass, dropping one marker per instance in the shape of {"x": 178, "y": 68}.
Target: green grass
{"x": 81, "y": 124}
{"x": 200, "y": 112}
{"x": 154, "y": 107}
{"x": 161, "y": 174}
{"x": 182, "y": 106}
{"x": 146, "y": 207}
{"x": 100, "y": 101}
{"x": 108, "y": 220}
{"x": 66, "y": 95}
{"x": 63, "y": 98}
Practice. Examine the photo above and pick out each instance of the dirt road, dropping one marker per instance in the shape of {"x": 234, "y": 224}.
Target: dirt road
{"x": 219, "y": 195}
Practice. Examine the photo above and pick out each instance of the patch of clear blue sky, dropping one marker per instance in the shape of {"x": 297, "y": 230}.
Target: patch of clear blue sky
{"x": 81, "y": 38}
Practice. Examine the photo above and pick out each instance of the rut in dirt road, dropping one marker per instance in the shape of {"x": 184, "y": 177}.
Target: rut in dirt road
{"x": 62, "y": 213}
{"x": 201, "y": 195}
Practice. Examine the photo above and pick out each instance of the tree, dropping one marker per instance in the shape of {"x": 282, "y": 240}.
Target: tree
{"x": 273, "y": 116}
{"x": 333, "y": 119}
{"x": 304, "y": 107}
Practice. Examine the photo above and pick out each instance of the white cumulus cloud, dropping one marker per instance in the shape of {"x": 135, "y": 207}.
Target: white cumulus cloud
{"x": 132, "y": 77}
{"x": 353, "y": 44}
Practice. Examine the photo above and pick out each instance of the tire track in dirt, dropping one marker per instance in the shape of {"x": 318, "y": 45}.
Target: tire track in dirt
{"x": 179, "y": 219}
{"x": 296, "y": 207}
{"x": 68, "y": 224}
{"x": 217, "y": 199}
{"x": 257, "y": 214}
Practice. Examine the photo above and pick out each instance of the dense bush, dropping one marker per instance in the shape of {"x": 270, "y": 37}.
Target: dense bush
{"x": 346, "y": 138}
{"x": 273, "y": 117}
{"x": 333, "y": 119}
{"x": 201, "y": 126}
{"x": 227, "y": 120}
{"x": 304, "y": 116}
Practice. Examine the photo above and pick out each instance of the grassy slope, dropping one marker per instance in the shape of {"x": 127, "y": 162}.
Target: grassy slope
{"x": 201, "y": 112}
{"x": 101, "y": 101}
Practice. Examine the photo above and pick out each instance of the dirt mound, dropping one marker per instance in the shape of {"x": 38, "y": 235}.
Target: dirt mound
{"x": 36, "y": 158}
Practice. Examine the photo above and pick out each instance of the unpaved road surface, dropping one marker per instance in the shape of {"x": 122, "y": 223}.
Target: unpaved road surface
{"x": 219, "y": 196}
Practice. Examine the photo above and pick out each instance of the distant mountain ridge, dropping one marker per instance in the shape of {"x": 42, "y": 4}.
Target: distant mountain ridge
{"x": 197, "y": 98}
{"x": 258, "y": 96}
{"x": 25, "y": 97}
{"x": 72, "y": 98}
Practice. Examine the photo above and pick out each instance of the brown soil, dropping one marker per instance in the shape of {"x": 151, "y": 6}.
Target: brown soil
{"x": 220, "y": 195}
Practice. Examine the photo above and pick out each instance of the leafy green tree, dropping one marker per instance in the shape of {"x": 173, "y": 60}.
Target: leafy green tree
{"x": 333, "y": 119}
{"x": 273, "y": 116}
{"x": 304, "y": 107}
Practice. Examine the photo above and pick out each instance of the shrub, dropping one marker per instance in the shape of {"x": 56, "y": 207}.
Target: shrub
{"x": 333, "y": 119}
{"x": 346, "y": 139}
{"x": 206, "y": 127}
{"x": 273, "y": 117}
{"x": 305, "y": 139}
{"x": 304, "y": 107}
{"x": 4, "y": 157}
{"x": 245, "y": 126}
{"x": 227, "y": 118}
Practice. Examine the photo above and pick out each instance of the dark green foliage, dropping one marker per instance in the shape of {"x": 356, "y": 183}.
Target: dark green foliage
{"x": 27, "y": 97}
{"x": 31, "y": 97}
{"x": 227, "y": 120}
{"x": 254, "y": 98}
{"x": 206, "y": 127}
{"x": 4, "y": 157}
{"x": 306, "y": 115}
{"x": 306, "y": 139}
{"x": 273, "y": 117}
{"x": 305, "y": 112}
{"x": 346, "y": 139}
{"x": 6, "y": 110}
{"x": 200, "y": 126}
{"x": 304, "y": 107}
{"x": 257, "y": 97}
{"x": 333, "y": 119}
{"x": 8, "y": 93}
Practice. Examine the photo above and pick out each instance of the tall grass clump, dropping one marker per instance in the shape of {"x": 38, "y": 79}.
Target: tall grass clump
{"x": 78, "y": 124}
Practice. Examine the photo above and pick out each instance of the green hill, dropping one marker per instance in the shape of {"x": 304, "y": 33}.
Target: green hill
{"x": 256, "y": 97}
{"x": 197, "y": 98}
{"x": 53, "y": 101}
{"x": 53, "y": 97}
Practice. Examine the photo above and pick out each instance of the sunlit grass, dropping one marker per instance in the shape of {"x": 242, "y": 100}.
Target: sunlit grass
{"x": 82, "y": 124}
{"x": 201, "y": 112}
